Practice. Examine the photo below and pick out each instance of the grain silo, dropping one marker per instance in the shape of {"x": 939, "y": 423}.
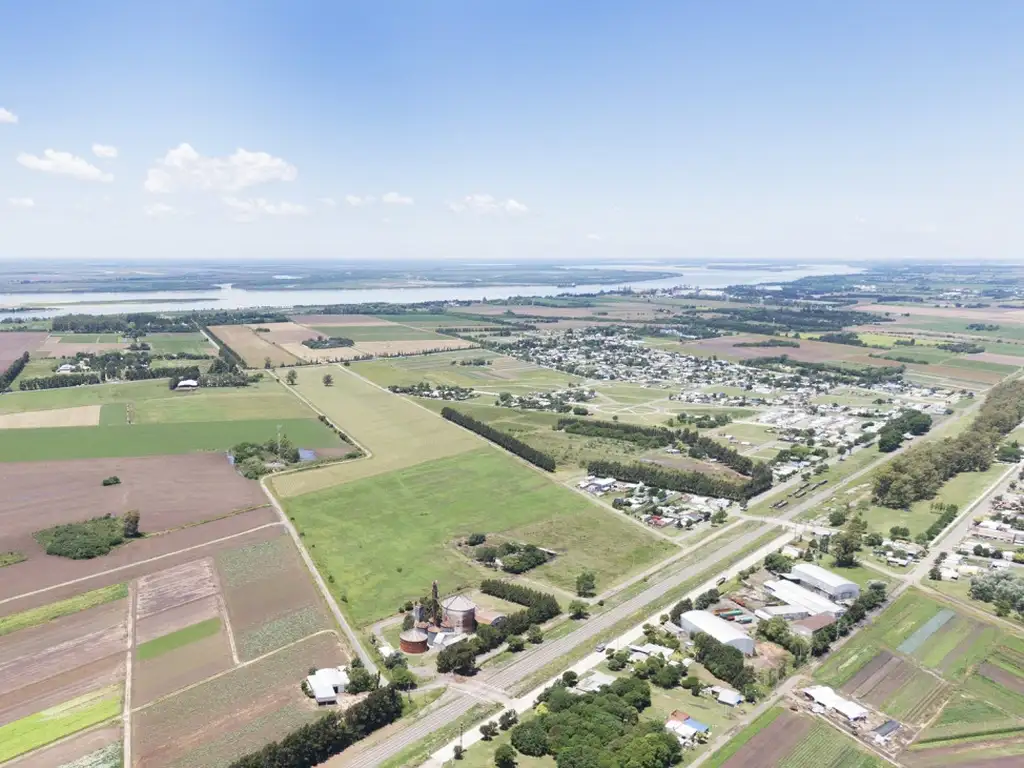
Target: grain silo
{"x": 459, "y": 613}
{"x": 413, "y": 641}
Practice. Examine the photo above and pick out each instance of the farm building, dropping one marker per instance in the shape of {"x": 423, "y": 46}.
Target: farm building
{"x": 829, "y": 699}
{"x": 794, "y": 594}
{"x": 787, "y": 612}
{"x": 459, "y": 613}
{"x": 594, "y": 682}
{"x": 720, "y": 629}
{"x": 186, "y": 385}
{"x": 413, "y": 641}
{"x": 807, "y": 627}
{"x": 325, "y": 684}
{"x": 831, "y": 584}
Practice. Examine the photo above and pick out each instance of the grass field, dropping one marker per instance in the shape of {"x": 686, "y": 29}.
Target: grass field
{"x": 396, "y": 431}
{"x": 88, "y": 338}
{"x": 57, "y": 443}
{"x": 44, "y": 613}
{"x": 55, "y": 723}
{"x": 168, "y": 343}
{"x": 384, "y": 539}
{"x": 264, "y": 401}
{"x": 392, "y": 332}
{"x": 69, "y": 397}
{"x": 185, "y": 636}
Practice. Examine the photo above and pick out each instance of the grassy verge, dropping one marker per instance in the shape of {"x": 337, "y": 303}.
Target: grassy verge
{"x": 55, "y": 723}
{"x": 45, "y": 613}
{"x": 739, "y": 741}
{"x": 161, "y": 645}
{"x": 421, "y": 750}
{"x": 11, "y": 558}
{"x": 420, "y": 700}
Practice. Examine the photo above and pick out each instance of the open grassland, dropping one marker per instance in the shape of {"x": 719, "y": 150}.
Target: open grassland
{"x": 384, "y": 539}
{"x": 397, "y": 432}
{"x": 266, "y": 400}
{"x": 60, "y": 443}
{"x": 252, "y": 347}
{"x": 161, "y": 645}
{"x": 175, "y": 343}
{"x": 36, "y": 616}
{"x": 96, "y": 394}
{"x": 56, "y": 723}
{"x": 389, "y": 332}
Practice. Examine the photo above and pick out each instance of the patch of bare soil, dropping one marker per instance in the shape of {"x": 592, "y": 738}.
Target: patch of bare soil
{"x": 16, "y": 343}
{"x": 173, "y": 619}
{"x": 73, "y": 682}
{"x": 254, "y": 604}
{"x": 864, "y": 678}
{"x": 172, "y": 671}
{"x": 175, "y": 586}
{"x": 1004, "y": 678}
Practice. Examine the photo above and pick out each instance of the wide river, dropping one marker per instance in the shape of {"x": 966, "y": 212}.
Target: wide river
{"x": 227, "y": 297}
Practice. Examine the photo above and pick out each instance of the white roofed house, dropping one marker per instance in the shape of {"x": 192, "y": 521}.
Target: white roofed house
{"x": 723, "y": 631}
{"x": 832, "y": 584}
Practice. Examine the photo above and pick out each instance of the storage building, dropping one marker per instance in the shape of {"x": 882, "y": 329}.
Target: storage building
{"x": 413, "y": 641}
{"x": 829, "y": 699}
{"x": 459, "y": 613}
{"x": 720, "y": 629}
{"x": 831, "y": 584}
{"x": 794, "y": 594}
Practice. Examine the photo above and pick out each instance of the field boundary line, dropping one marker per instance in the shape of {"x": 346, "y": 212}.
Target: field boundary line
{"x": 222, "y": 605}
{"x": 243, "y": 664}
{"x": 136, "y": 563}
{"x": 126, "y": 714}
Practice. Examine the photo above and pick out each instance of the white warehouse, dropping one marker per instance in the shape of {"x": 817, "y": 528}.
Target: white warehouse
{"x": 795, "y": 595}
{"x": 831, "y": 584}
{"x": 723, "y": 631}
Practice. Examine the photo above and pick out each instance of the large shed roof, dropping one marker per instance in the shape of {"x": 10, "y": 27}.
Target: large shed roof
{"x": 794, "y": 594}
{"x": 816, "y": 572}
{"x": 720, "y": 629}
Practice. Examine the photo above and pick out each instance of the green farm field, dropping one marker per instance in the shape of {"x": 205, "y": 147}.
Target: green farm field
{"x": 88, "y": 338}
{"x": 179, "y": 639}
{"x": 58, "y": 443}
{"x": 266, "y": 400}
{"x": 168, "y": 343}
{"x": 58, "y": 722}
{"x": 393, "y": 538}
{"x": 397, "y": 432}
{"x": 391, "y": 332}
{"x": 97, "y": 394}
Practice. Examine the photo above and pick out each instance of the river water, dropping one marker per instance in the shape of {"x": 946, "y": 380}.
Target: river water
{"x": 227, "y": 297}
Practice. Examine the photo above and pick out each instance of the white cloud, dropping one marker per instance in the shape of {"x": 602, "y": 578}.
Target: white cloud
{"x": 6, "y": 116}
{"x": 356, "y": 200}
{"x": 393, "y": 198}
{"x": 248, "y": 210}
{"x": 65, "y": 164}
{"x": 328, "y": 201}
{"x": 594, "y": 237}
{"x": 482, "y": 203}
{"x": 104, "y": 150}
{"x": 157, "y": 210}
{"x": 22, "y": 202}
{"x": 184, "y": 168}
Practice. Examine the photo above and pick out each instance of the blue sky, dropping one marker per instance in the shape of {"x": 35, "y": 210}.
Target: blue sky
{"x": 398, "y": 129}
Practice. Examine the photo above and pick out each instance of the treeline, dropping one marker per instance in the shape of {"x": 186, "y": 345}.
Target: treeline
{"x": 843, "y": 337}
{"x": 12, "y": 372}
{"x": 136, "y": 324}
{"x": 461, "y": 657}
{"x": 228, "y": 361}
{"x": 700, "y": 483}
{"x": 520, "y": 595}
{"x": 646, "y": 437}
{"x": 704, "y": 447}
{"x": 964, "y": 347}
{"x": 869, "y": 374}
{"x": 505, "y": 440}
{"x": 247, "y": 316}
{"x": 774, "y": 342}
{"x": 328, "y": 342}
{"x": 982, "y": 327}
{"x": 316, "y": 742}
{"x": 59, "y": 381}
{"x": 890, "y": 437}
{"x": 922, "y": 470}
{"x": 871, "y": 598}
{"x": 170, "y": 372}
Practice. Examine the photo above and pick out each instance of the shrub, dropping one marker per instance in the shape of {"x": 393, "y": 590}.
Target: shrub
{"x": 112, "y": 480}
{"x": 83, "y": 541}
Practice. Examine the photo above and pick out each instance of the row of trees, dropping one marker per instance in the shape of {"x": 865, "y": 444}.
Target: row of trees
{"x": 505, "y": 440}
{"x": 645, "y": 437}
{"x": 726, "y": 663}
{"x": 772, "y": 342}
{"x": 314, "y": 743}
{"x": 868, "y": 374}
{"x": 1004, "y": 589}
{"x": 921, "y": 471}
{"x": 58, "y": 381}
{"x": 520, "y": 595}
{"x": 328, "y": 342}
{"x": 869, "y": 600}
{"x": 13, "y": 370}
{"x": 700, "y": 483}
